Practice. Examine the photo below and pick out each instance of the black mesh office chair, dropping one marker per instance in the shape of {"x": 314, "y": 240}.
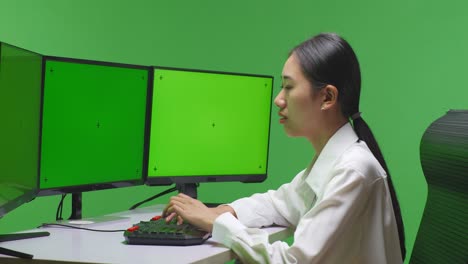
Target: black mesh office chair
{"x": 443, "y": 234}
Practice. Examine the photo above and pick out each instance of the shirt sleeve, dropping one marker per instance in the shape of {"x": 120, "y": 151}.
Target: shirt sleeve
{"x": 272, "y": 207}
{"x": 322, "y": 233}
{"x": 250, "y": 244}
{"x": 259, "y": 210}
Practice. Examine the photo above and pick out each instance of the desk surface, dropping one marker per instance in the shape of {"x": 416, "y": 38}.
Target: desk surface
{"x": 83, "y": 246}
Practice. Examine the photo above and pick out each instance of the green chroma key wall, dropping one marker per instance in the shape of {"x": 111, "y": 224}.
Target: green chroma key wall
{"x": 413, "y": 57}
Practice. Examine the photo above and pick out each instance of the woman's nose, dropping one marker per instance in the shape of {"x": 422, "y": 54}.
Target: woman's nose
{"x": 279, "y": 100}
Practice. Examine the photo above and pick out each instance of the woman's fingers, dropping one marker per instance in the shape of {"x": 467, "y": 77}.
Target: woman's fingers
{"x": 169, "y": 207}
{"x": 175, "y": 210}
{"x": 170, "y": 217}
{"x": 165, "y": 211}
{"x": 182, "y": 198}
{"x": 180, "y": 220}
{"x": 183, "y": 207}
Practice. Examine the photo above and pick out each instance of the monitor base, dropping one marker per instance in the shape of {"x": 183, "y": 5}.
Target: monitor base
{"x": 11, "y": 237}
{"x": 93, "y": 220}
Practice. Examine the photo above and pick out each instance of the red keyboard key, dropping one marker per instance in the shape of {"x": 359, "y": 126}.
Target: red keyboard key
{"x": 156, "y": 218}
{"x": 133, "y": 228}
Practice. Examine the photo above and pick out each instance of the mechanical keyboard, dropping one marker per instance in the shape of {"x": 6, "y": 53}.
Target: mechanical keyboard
{"x": 158, "y": 232}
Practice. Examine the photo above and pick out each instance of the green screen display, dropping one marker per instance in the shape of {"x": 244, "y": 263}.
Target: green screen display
{"x": 20, "y": 99}
{"x": 93, "y": 125}
{"x": 208, "y": 124}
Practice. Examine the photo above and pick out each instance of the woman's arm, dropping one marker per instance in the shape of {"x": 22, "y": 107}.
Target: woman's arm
{"x": 273, "y": 207}
{"x": 320, "y": 237}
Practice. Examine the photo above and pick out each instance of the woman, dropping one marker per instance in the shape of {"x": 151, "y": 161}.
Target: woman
{"x": 343, "y": 206}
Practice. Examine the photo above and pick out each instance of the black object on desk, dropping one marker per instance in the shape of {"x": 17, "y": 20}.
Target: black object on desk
{"x": 11, "y": 237}
{"x": 158, "y": 232}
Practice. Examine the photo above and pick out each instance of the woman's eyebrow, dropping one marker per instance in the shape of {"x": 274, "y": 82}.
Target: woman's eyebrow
{"x": 286, "y": 78}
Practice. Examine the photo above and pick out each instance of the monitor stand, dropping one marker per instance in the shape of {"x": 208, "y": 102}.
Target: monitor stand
{"x": 76, "y": 214}
{"x": 76, "y": 208}
{"x": 190, "y": 189}
{"x": 11, "y": 237}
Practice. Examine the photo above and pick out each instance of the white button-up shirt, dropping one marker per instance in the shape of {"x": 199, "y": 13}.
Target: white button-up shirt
{"x": 341, "y": 210}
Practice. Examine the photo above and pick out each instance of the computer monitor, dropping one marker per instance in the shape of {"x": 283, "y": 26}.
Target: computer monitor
{"x": 208, "y": 126}
{"x": 20, "y": 97}
{"x": 93, "y": 125}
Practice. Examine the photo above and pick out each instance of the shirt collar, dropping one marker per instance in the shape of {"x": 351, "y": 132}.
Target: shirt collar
{"x": 320, "y": 174}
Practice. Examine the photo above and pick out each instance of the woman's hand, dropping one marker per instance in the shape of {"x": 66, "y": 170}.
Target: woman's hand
{"x": 191, "y": 210}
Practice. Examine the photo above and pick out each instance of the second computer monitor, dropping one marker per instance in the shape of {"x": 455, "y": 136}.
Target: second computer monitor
{"x": 93, "y": 125}
{"x": 208, "y": 127}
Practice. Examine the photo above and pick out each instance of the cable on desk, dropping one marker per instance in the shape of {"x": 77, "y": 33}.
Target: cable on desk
{"x": 77, "y": 227}
{"x": 58, "y": 215}
{"x": 173, "y": 189}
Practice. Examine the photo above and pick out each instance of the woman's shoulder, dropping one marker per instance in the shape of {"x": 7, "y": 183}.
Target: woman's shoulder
{"x": 359, "y": 157}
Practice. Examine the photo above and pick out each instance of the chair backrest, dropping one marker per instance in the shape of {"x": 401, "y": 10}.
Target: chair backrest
{"x": 443, "y": 234}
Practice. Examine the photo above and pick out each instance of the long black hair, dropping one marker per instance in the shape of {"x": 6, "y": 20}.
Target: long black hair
{"x": 329, "y": 59}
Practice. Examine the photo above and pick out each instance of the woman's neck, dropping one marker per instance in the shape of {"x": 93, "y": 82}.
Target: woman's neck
{"x": 320, "y": 140}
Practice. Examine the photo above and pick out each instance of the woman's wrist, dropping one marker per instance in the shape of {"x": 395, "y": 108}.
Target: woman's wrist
{"x": 217, "y": 211}
{"x": 224, "y": 208}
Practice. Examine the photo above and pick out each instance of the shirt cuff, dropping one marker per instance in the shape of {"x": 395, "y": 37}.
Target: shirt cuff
{"x": 242, "y": 211}
{"x": 225, "y": 227}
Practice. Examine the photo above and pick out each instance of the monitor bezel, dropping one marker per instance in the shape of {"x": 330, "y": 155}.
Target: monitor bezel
{"x": 169, "y": 180}
{"x": 102, "y": 185}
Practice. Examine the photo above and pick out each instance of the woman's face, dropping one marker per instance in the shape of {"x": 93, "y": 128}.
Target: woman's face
{"x": 299, "y": 106}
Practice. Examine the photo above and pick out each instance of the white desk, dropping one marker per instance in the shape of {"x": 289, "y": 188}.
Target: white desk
{"x": 81, "y": 246}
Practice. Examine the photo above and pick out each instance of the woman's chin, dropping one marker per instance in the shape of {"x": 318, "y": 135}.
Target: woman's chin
{"x": 289, "y": 132}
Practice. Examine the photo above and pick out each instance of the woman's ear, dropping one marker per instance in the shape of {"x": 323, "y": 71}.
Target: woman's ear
{"x": 329, "y": 96}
